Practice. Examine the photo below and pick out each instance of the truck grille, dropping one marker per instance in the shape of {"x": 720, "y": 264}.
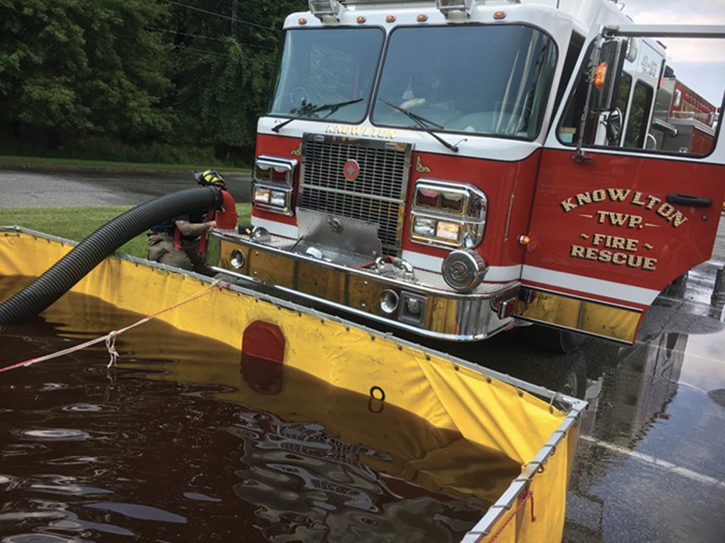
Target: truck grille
{"x": 377, "y": 195}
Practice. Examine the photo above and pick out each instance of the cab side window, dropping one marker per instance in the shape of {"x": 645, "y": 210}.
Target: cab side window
{"x": 625, "y": 86}
{"x": 629, "y": 96}
{"x": 636, "y": 133}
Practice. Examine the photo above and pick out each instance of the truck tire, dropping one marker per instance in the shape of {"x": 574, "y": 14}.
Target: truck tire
{"x": 571, "y": 379}
{"x": 553, "y": 339}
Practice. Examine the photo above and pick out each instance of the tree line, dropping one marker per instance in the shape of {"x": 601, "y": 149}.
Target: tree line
{"x": 194, "y": 73}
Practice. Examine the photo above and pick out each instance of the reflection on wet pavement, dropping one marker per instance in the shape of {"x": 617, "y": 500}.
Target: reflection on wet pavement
{"x": 650, "y": 464}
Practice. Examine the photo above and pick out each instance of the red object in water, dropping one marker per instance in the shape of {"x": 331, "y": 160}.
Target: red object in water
{"x": 262, "y": 361}
{"x": 264, "y": 340}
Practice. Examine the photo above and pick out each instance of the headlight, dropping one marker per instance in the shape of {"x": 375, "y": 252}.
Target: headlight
{"x": 448, "y": 215}
{"x": 261, "y": 195}
{"x": 268, "y": 169}
{"x": 273, "y": 180}
{"x": 437, "y": 231}
{"x": 424, "y": 227}
{"x": 278, "y": 198}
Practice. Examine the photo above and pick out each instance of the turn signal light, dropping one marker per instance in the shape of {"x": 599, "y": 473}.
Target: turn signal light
{"x": 261, "y": 195}
{"x": 600, "y": 75}
{"x": 427, "y": 198}
{"x": 448, "y": 231}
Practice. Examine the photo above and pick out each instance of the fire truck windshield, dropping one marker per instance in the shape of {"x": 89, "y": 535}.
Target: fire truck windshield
{"x": 492, "y": 80}
{"x": 484, "y": 79}
{"x": 328, "y": 73}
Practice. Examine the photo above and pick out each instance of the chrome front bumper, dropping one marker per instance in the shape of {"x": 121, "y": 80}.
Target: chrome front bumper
{"x": 425, "y": 305}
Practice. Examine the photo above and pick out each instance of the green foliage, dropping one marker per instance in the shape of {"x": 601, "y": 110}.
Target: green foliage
{"x": 226, "y": 69}
{"x": 142, "y": 72}
{"x": 85, "y": 65}
{"x": 229, "y": 108}
{"x": 111, "y": 149}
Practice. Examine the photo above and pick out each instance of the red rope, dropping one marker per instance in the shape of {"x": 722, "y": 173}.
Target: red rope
{"x": 523, "y": 498}
{"x": 111, "y": 335}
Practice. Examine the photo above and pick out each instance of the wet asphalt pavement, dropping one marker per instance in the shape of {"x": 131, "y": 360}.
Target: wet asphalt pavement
{"x": 20, "y": 188}
{"x": 650, "y": 465}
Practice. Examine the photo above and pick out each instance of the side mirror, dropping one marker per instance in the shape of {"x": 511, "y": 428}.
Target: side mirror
{"x": 606, "y": 75}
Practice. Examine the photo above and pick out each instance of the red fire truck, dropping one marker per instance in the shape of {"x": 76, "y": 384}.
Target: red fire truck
{"x": 454, "y": 168}
{"x": 684, "y": 121}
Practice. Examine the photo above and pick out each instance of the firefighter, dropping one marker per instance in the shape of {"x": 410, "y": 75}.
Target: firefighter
{"x": 181, "y": 241}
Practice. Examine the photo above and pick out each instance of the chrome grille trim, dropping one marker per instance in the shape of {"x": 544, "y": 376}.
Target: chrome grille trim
{"x": 378, "y": 193}
{"x": 345, "y": 192}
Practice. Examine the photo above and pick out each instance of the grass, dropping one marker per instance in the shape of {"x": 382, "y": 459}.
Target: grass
{"x": 77, "y": 223}
{"x": 89, "y": 150}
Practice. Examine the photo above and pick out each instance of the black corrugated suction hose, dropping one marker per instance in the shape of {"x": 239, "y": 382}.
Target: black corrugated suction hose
{"x": 85, "y": 256}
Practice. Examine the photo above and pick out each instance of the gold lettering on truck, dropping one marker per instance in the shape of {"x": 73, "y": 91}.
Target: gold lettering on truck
{"x": 623, "y": 251}
{"x": 361, "y": 131}
{"x": 616, "y": 258}
{"x": 635, "y": 198}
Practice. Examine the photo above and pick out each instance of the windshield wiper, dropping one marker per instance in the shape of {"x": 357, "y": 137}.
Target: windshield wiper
{"x": 423, "y": 123}
{"x": 306, "y": 112}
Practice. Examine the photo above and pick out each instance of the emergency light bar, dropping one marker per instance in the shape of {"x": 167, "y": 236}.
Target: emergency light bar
{"x": 449, "y": 6}
{"x": 331, "y": 8}
{"x": 325, "y": 8}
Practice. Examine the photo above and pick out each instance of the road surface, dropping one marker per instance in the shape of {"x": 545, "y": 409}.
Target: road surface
{"x": 63, "y": 188}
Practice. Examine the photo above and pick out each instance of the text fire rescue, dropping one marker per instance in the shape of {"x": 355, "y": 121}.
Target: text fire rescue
{"x": 616, "y": 250}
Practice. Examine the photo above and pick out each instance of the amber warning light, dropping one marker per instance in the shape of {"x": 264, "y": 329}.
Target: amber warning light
{"x": 600, "y": 75}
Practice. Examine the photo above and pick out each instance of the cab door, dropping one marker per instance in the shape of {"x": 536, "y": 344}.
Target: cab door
{"x": 631, "y": 183}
